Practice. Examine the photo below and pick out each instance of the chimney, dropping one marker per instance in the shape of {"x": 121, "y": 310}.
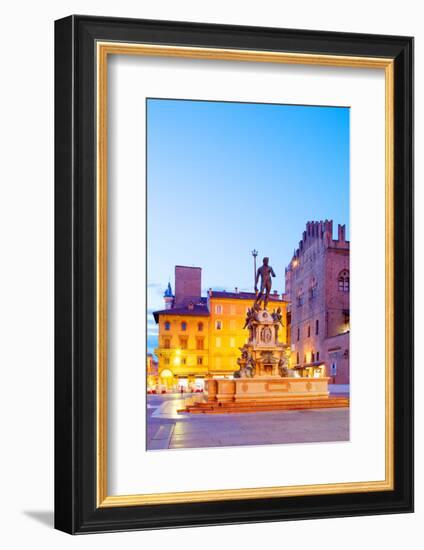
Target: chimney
{"x": 236, "y": 290}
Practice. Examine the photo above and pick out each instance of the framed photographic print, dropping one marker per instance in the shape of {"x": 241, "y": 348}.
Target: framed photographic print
{"x": 234, "y": 274}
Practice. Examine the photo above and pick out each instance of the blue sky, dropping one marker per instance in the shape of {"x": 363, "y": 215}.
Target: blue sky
{"x": 224, "y": 178}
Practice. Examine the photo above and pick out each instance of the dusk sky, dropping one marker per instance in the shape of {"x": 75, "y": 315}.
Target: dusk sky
{"x": 225, "y": 178}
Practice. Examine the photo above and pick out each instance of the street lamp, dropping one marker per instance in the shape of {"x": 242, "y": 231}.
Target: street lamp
{"x": 254, "y": 254}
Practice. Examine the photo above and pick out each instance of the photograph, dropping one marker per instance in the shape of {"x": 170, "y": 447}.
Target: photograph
{"x": 248, "y": 274}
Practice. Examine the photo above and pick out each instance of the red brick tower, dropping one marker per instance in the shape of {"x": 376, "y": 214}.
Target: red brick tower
{"x": 317, "y": 287}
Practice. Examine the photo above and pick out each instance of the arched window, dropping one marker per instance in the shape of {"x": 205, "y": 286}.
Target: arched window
{"x": 200, "y": 327}
{"x": 343, "y": 281}
{"x": 183, "y": 325}
{"x": 167, "y": 325}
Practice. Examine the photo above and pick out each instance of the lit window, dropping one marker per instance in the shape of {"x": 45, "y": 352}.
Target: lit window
{"x": 183, "y": 361}
{"x": 218, "y": 325}
{"x": 200, "y": 327}
{"x": 200, "y": 360}
{"x": 218, "y": 309}
{"x": 232, "y": 342}
{"x": 343, "y": 281}
{"x": 167, "y": 325}
{"x": 218, "y": 342}
{"x": 183, "y": 325}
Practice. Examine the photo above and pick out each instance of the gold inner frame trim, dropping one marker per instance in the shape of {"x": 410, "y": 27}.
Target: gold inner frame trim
{"x": 103, "y": 50}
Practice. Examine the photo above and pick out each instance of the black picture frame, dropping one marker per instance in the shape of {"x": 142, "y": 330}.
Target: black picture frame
{"x": 76, "y": 510}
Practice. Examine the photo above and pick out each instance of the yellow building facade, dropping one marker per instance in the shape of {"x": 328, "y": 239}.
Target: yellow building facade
{"x": 201, "y": 340}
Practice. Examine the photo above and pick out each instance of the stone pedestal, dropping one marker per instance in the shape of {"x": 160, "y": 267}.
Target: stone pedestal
{"x": 265, "y": 389}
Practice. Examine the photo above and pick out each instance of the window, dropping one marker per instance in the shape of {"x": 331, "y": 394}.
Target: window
{"x": 317, "y": 326}
{"x": 167, "y": 325}
{"x": 309, "y": 331}
{"x": 317, "y": 355}
{"x": 297, "y": 358}
{"x": 218, "y": 342}
{"x": 183, "y": 361}
{"x": 218, "y": 325}
{"x": 343, "y": 281}
{"x": 312, "y": 357}
{"x": 298, "y": 335}
{"x": 183, "y": 325}
{"x": 166, "y": 360}
{"x": 313, "y": 288}
{"x": 183, "y": 343}
{"x": 200, "y": 327}
{"x": 199, "y": 343}
{"x": 300, "y": 298}
{"x": 218, "y": 309}
{"x": 167, "y": 343}
{"x": 232, "y": 342}
{"x": 200, "y": 360}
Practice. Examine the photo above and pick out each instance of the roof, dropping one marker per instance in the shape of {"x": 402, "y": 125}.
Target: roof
{"x": 243, "y": 296}
{"x": 195, "y": 311}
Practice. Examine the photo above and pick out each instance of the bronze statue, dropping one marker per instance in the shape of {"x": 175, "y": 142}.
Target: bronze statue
{"x": 277, "y": 316}
{"x": 265, "y": 272}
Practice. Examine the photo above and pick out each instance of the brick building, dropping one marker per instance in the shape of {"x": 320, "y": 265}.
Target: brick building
{"x": 317, "y": 289}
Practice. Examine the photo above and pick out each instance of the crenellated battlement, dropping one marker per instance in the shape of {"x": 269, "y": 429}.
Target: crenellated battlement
{"x": 319, "y": 234}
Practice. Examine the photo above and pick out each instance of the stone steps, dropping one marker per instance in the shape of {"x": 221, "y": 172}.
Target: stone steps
{"x": 263, "y": 406}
